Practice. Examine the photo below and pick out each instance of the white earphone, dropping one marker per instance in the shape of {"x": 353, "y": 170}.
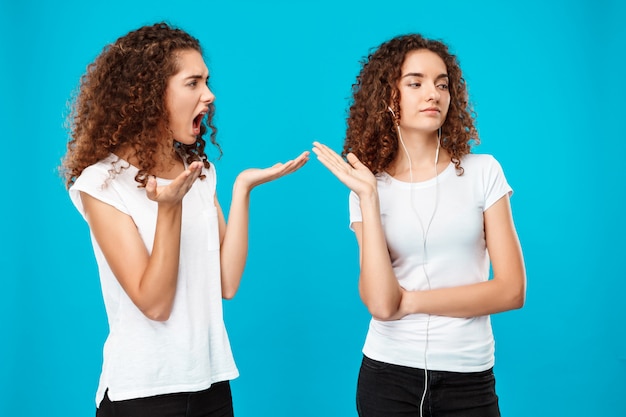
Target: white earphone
{"x": 424, "y": 239}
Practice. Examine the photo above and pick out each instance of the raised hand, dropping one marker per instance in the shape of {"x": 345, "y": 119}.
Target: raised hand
{"x": 234, "y": 248}
{"x": 353, "y": 173}
{"x": 174, "y": 192}
{"x": 252, "y": 177}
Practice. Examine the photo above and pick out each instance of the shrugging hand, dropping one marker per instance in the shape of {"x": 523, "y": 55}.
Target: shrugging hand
{"x": 174, "y": 192}
{"x": 353, "y": 173}
{"x": 252, "y": 177}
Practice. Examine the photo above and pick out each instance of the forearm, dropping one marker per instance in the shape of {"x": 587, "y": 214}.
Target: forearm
{"x": 157, "y": 287}
{"x": 234, "y": 249}
{"x": 471, "y": 300}
{"x": 378, "y": 285}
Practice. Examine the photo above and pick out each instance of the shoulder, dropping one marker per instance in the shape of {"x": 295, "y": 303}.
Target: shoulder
{"x": 480, "y": 163}
{"x": 211, "y": 171}
{"x": 478, "y": 160}
{"x": 210, "y": 176}
{"x": 104, "y": 171}
{"x": 97, "y": 172}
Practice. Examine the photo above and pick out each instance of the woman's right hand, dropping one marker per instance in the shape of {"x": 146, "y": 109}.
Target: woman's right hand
{"x": 174, "y": 192}
{"x": 356, "y": 176}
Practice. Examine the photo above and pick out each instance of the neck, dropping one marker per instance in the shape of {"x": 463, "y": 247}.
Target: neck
{"x": 168, "y": 162}
{"x": 417, "y": 153}
{"x": 421, "y": 147}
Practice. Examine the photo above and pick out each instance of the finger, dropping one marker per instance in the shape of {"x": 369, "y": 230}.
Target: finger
{"x": 185, "y": 180}
{"x": 285, "y": 169}
{"x": 331, "y": 158}
{"x": 291, "y": 165}
{"x": 151, "y": 186}
{"x": 335, "y": 164}
{"x": 354, "y": 161}
{"x": 320, "y": 148}
{"x": 193, "y": 175}
{"x": 299, "y": 162}
{"x": 304, "y": 156}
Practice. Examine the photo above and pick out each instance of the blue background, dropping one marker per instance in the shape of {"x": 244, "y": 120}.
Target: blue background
{"x": 547, "y": 81}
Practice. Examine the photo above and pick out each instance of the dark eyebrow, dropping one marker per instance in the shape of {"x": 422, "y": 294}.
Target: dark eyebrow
{"x": 419, "y": 74}
{"x": 195, "y": 77}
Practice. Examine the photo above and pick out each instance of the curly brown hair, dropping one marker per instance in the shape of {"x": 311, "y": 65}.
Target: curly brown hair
{"x": 120, "y": 104}
{"x": 371, "y": 133}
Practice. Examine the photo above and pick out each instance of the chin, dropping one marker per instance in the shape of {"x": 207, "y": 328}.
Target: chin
{"x": 189, "y": 141}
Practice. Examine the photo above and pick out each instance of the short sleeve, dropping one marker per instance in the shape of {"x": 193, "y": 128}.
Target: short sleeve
{"x": 496, "y": 185}
{"x": 355, "y": 209}
{"x": 211, "y": 176}
{"x": 95, "y": 181}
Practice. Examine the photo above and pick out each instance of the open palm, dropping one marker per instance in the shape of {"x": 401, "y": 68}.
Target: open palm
{"x": 256, "y": 176}
{"x": 174, "y": 192}
{"x": 352, "y": 173}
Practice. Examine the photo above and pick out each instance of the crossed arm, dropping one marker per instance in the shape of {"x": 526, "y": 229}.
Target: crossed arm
{"x": 378, "y": 286}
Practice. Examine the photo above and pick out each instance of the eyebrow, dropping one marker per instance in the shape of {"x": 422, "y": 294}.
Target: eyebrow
{"x": 419, "y": 74}
{"x": 196, "y": 77}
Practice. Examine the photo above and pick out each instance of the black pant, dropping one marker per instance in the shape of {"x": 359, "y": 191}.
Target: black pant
{"x": 386, "y": 390}
{"x": 213, "y": 402}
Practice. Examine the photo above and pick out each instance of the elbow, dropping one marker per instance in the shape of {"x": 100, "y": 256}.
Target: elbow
{"x": 382, "y": 308}
{"x": 230, "y": 283}
{"x": 228, "y": 290}
{"x": 156, "y": 315}
{"x": 228, "y": 293}
{"x": 517, "y": 299}
{"x": 382, "y": 311}
{"x": 382, "y": 314}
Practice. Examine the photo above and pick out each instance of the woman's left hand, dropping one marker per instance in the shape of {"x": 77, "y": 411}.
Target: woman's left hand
{"x": 252, "y": 177}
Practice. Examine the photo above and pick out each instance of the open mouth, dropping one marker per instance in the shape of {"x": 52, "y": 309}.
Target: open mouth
{"x": 197, "y": 122}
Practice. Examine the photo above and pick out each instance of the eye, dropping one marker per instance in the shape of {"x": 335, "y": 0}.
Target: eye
{"x": 442, "y": 86}
{"x": 415, "y": 85}
{"x": 192, "y": 83}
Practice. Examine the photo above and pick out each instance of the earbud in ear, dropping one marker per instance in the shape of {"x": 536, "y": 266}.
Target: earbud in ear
{"x": 391, "y": 110}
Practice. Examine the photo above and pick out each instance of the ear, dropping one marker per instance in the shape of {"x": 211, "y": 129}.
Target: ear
{"x": 394, "y": 111}
{"x": 394, "y": 106}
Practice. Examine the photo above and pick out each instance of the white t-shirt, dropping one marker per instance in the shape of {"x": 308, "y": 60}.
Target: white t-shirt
{"x": 190, "y": 351}
{"x": 456, "y": 254}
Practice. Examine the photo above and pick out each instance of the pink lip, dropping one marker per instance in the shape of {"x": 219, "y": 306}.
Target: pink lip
{"x": 431, "y": 109}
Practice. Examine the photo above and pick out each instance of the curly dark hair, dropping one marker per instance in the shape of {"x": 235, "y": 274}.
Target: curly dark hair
{"x": 371, "y": 134}
{"x": 120, "y": 104}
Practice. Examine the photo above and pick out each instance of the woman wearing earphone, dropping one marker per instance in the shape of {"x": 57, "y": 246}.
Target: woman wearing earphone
{"x": 430, "y": 218}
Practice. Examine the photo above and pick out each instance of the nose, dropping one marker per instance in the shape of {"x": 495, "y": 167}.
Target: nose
{"x": 207, "y": 96}
{"x": 433, "y": 93}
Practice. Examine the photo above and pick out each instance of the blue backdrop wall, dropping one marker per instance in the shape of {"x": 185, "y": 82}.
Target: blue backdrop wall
{"x": 546, "y": 79}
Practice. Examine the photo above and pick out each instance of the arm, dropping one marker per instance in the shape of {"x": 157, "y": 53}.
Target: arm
{"x": 234, "y": 236}
{"x": 148, "y": 279}
{"x": 505, "y": 291}
{"x": 378, "y": 285}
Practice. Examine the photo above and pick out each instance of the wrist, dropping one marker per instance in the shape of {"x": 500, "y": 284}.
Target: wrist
{"x": 410, "y": 301}
{"x": 170, "y": 208}
{"x": 369, "y": 201}
{"x": 241, "y": 187}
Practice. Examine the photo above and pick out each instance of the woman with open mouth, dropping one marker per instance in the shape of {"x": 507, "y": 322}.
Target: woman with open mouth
{"x": 137, "y": 171}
